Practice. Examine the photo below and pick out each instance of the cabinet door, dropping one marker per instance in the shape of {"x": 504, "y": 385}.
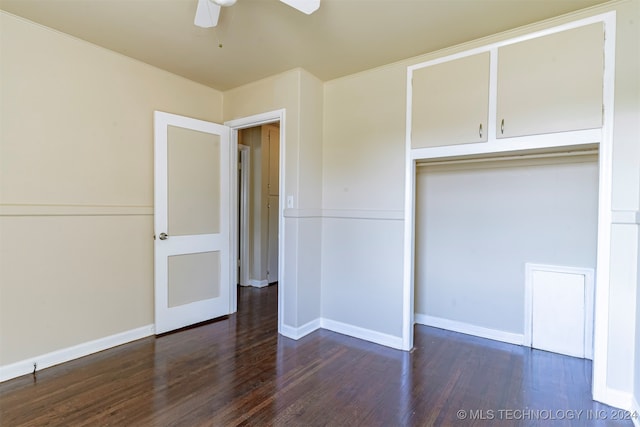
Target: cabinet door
{"x": 450, "y": 102}
{"x": 552, "y": 83}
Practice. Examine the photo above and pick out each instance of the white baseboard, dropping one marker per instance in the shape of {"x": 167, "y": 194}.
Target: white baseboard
{"x": 617, "y": 398}
{"x": 258, "y": 283}
{"x": 395, "y": 341}
{"x": 469, "y": 329}
{"x": 297, "y": 333}
{"x": 47, "y": 360}
{"x": 363, "y": 334}
{"x": 341, "y": 328}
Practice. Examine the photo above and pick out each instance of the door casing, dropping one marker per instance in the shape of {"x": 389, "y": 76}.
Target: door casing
{"x": 275, "y": 116}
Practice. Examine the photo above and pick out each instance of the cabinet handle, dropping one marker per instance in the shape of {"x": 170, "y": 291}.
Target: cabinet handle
{"x": 480, "y": 130}
{"x": 502, "y": 127}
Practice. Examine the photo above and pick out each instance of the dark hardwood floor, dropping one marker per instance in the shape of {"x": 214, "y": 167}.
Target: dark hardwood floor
{"x": 238, "y": 371}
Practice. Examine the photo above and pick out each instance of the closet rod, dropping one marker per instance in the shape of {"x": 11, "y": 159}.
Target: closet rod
{"x": 515, "y": 157}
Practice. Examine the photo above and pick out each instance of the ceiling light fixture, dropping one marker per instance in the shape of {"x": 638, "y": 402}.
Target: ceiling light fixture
{"x": 208, "y": 11}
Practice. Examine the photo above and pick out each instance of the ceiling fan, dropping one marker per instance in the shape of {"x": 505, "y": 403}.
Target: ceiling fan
{"x": 208, "y": 11}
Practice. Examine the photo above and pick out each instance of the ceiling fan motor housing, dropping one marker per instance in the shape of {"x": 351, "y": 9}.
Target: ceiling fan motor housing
{"x": 224, "y": 3}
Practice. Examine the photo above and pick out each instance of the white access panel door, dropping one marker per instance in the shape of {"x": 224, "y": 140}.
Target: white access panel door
{"x": 192, "y": 204}
{"x": 558, "y": 312}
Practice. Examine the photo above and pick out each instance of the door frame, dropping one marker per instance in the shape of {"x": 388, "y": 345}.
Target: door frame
{"x": 603, "y": 137}
{"x": 275, "y": 116}
{"x": 244, "y": 162}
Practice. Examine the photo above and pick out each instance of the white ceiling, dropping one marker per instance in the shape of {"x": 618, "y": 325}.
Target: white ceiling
{"x": 259, "y": 38}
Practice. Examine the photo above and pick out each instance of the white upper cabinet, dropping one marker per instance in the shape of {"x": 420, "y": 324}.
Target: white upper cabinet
{"x": 450, "y": 102}
{"x": 551, "y": 84}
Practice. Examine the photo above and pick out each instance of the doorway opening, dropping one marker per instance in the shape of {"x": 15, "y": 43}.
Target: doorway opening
{"x": 258, "y": 204}
{"x": 276, "y": 119}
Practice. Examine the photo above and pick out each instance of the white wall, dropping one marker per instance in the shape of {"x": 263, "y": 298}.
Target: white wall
{"x": 478, "y": 224}
{"x": 637, "y": 349}
{"x": 625, "y": 199}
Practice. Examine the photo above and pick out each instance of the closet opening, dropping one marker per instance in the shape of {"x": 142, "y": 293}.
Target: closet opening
{"x": 506, "y": 247}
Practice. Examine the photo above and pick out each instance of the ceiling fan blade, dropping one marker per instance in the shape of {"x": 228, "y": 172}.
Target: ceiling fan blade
{"x": 207, "y": 14}
{"x": 304, "y": 6}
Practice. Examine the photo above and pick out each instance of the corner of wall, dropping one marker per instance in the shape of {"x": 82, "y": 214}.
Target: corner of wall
{"x": 310, "y": 199}
{"x": 636, "y": 392}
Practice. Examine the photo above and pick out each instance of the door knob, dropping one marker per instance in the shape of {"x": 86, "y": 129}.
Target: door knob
{"x": 164, "y": 236}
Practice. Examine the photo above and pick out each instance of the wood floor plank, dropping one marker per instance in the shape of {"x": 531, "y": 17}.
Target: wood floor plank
{"x": 239, "y": 371}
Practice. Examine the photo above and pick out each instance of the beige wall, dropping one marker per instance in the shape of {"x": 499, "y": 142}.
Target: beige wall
{"x": 363, "y": 192}
{"x": 363, "y": 169}
{"x": 478, "y": 224}
{"x": 76, "y": 225}
{"x": 300, "y": 94}
{"x": 364, "y": 140}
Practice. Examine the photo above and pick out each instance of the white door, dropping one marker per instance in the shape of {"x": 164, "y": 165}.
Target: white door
{"x": 192, "y": 203}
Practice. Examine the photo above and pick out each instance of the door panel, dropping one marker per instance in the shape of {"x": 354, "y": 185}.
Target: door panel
{"x": 193, "y": 277}
{"x": 193, "y": 185}
{"x": 192, "y": 205}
